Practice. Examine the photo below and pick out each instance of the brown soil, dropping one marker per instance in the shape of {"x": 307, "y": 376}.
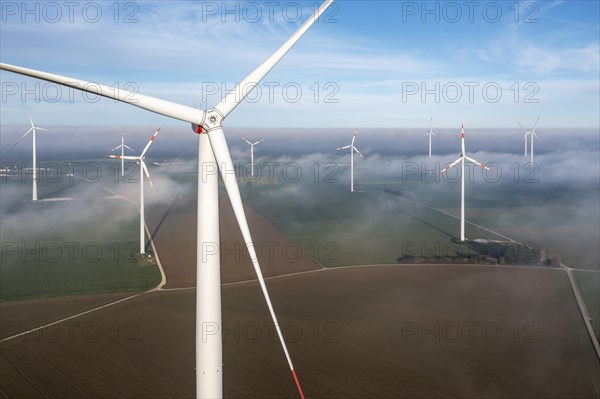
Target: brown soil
{"x": 348, "y": 328}
{"x": 174, "y": 231}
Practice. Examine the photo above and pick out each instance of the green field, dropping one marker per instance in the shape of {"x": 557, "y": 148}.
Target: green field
{"x": 70, "y": 247}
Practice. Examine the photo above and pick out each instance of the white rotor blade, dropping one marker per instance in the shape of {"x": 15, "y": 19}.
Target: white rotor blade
{"x": 246, "y": 140}
{"x": 343, "y": 148}
{"x": 258, "y": 142}
{"x": 354, "y": 137}
{"x": 126, "y": 146}
{"x": 44, "y": 130}
{"x": 451, "y": 165}
{"x": 242, "y": 89}
{"x": 163, "y": 107}
{"x": 223, "y": 158}
{"x": 522, "y": 128}
{"x": 149, "y": 143}
{"x": 536, "y": 122}
{"x": 145, "y": 168}
{"x": 117, "y": 147}
{"x": 358, "y": 152}
{"x": 477, "y": 163}
{"x": 125, "y": 157}
{"x": 31, "y": 120}
{"x": 22, "y": 137}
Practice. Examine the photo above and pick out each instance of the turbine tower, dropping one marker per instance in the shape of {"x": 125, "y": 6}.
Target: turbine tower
{"x": 213, "y": 153}
{"x": 33, "y": 129}
{"x": 462, "y": 158}
{"x": 430, "y": 133}
{"x": 525, "y": 134}
{"x": 143, "y": 170}
{"x": 252, "y": 153}
{"x": 122, "y": 147}
{"x": 352, "y": 149}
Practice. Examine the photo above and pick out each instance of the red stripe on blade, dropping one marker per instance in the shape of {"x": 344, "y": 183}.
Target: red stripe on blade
{"x": 297, "y": 384}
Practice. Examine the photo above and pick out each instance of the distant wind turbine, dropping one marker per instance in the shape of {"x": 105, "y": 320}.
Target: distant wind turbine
{"x": 213, "y": 153}
{"x": 430, "y": 133}
{"x": 531, "y": 133}
{"x": 33, "y": 129}
{"x": 352, "y": 149}
{"x": 122, "y": 147}
{"x": 143, "y": 170}
{"x": 462, "y": 158}
{"x": 252, "y": 153}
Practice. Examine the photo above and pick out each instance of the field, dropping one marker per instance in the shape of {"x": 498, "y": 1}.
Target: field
{"x": 354, "y": 332}
{"x": 49, "y": 249}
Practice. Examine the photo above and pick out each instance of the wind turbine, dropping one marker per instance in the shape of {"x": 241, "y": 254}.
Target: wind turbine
{"x": 33, "y": 129}
{"x": 252, "y": 153}
{"x": 430, "y": 133}
{"x": 122, "y": 147}
{"x": 352, "y": 149}
{"x": 213, "y": 150}
{"x": 462, "y": 158}
{"x": 531, "y": 133}
{"x": 143, "y": 169}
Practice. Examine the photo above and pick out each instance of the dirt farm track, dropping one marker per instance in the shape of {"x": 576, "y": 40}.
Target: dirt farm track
{"x": 355, "y": 332}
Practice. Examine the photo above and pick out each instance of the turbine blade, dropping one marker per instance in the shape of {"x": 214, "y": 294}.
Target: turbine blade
{"x": 30, "y": 120}
{"x": 536, "y": 122}
{"x": 242, "y": 89}
{"x": 126, "y": 146}
{"x": 451, "y": 165}
{"x": 162, "y": 107}
{"x": 246, "y": 140}
{"x": 358, "y": 152}
{"x": 343, "y": 148}
{"x": 223, "y": 158}
{"x": 149, "y": 143}
{"x": 22, "y": 137}
{"x": 44, "y": 130}
{"x": 145, "y": 168}
{"x": 477, "y": 163}
{"x": 354, "y": 137}
{"x": 124, "y": 157}
{"x": 116, "y": 148}
{"x": 522, "y": 128}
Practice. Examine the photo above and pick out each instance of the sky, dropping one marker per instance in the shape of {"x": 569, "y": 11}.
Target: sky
{"x": 368, "y": 64}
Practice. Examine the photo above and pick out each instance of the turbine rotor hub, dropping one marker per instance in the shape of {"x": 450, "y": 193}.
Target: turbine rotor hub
{"x": 212, "y": 120}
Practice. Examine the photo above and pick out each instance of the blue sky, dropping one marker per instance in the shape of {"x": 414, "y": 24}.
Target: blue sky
{"x": 387, "y": 64}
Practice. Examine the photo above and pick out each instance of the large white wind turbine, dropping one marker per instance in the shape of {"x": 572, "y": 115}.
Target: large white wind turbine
{"x": 462, "y": 158}
{"x": 430, "y": 133}
{"x": 352, "y": 149}
{"x": 122, "y": 147}
{"x": 252, "y": 153}
{"x": 531, "y": 133}
{"x": 143, "y": 170}
{"x": 33, "y": 129}
{"x": 213, "y": 153}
